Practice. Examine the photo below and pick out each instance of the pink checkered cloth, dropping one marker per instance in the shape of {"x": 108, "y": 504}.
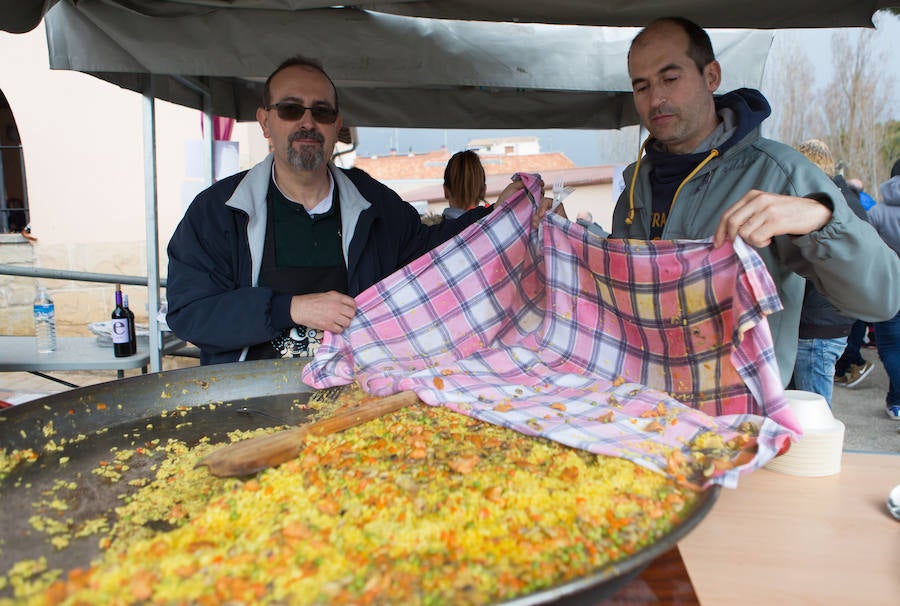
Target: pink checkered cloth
{"x": 623, "y": 348}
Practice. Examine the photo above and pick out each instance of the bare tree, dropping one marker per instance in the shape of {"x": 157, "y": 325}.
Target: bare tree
{"x": 856, "y": 105}
{"x": 790, "y": 85}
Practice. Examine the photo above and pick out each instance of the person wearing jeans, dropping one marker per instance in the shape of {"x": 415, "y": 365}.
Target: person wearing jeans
{"x": 885, "y": 217}
{"x": 851, "y": 367}
{"x": 823, "y": 329}
{"x": 887, "y": 334}
{"x": 816, "y": 359}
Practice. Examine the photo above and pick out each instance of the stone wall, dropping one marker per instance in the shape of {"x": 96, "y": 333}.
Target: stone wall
{"x": 77, "y": 303}
{"x": 16, "y": 293}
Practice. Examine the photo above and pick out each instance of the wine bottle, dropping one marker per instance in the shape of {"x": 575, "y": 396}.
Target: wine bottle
{"x": 121, "y": 336}
{"x": 132, "y": 331}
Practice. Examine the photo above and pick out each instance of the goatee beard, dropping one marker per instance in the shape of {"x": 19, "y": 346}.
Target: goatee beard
{"x": 307, "y": 157}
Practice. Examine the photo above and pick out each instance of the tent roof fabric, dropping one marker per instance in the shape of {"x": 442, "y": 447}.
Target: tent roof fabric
{"x": 18, "y": 16}
{"x": 407, "y": 63}
{"x": 390, "y": 70}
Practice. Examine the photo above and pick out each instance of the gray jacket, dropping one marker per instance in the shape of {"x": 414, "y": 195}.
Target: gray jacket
{"x": 844, "y": 259}
{"x": 885, "y": 217}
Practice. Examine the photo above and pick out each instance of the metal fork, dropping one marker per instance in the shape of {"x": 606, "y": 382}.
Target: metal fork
{"x": 560, "y": 192}
{"x": 559, "y": 184}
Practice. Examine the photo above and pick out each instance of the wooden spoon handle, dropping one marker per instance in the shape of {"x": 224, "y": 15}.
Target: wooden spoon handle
{"x": 255, "y": 454}
{"x": 351, "y": 417}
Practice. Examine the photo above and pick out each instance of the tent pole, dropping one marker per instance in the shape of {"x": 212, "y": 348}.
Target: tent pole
{"x": 209, "y": 142}
{"x": 151, "y": 221}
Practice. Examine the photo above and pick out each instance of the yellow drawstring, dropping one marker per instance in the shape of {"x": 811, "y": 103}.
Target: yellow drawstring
{"x": 630, "y": 218}
{"x": 712, "y": 154}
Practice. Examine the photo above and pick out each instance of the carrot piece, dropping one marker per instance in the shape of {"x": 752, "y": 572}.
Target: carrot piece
{"x": 328, "y": 506}
{"x": 142, "y": 585}
{"x": 56, "y": 593}
{"x": 296, "y": 530}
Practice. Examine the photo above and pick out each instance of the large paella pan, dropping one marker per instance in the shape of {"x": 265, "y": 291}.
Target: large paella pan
{"x": 72, "y": 433}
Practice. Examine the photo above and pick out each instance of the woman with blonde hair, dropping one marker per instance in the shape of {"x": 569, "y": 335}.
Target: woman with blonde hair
{"x": 464, "y": 183}
{"x": 823, "y": 354}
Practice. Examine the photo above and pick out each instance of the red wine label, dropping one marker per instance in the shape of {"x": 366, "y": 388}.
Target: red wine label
{"x": 120, "y": 331}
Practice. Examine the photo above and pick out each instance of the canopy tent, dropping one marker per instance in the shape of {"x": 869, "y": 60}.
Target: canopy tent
{"x": 427, "y": 63}
{"x": 18, "y": 16}
{"x": 390, "y": 70}
{"x": 416, "y": 63}
{"x": 464, "y": 66}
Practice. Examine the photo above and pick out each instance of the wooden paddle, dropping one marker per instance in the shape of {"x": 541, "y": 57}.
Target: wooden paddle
{"x": 255, "y": 454}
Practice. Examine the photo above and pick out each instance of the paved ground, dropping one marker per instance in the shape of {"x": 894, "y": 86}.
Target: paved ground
{"x": 861, "y": 408}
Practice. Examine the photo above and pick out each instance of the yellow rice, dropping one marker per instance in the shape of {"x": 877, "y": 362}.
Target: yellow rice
{"x": 424, "y": 506}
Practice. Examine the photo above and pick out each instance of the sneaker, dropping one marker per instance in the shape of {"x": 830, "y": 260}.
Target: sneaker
{"x": 893, "y": 411}
{"x": 842, "y": 379}
{"x": 857, "y": 373}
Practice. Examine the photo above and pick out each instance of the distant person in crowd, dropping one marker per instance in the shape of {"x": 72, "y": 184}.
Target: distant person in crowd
{"x": 465, "y": 184}
{"x": 707, "y": 172}
{"x": 885, "y": 217}
{"x": 266, "y": 260}
{"x": 586, "y": 219}
{"x": 852, "y": 367}
{"x": 823, "y": 329}
{"x": 865, "y": 199}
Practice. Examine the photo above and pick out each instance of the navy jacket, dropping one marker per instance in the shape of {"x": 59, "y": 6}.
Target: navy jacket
{"x": 215, "y": 254}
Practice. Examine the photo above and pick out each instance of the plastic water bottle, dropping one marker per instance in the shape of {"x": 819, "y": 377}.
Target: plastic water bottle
{"x": 44, "y": 322}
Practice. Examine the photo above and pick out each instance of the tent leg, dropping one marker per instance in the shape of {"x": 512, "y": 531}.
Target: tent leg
{"x": 208, "y": 143}
{"x": 151, "y": 221}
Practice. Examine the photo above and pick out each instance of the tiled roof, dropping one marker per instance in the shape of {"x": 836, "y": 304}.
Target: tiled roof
{"x": 576, "y": 176}
{"x": 431, "y": 165}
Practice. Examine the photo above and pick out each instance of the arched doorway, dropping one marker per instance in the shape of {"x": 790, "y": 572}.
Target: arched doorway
{"x": 14, "y": 216}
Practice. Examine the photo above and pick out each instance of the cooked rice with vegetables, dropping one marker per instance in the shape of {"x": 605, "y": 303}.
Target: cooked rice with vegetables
{"x": 423, "y": 506}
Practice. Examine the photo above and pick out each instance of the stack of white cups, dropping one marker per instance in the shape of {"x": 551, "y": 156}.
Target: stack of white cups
{"x": 818, "y": 453}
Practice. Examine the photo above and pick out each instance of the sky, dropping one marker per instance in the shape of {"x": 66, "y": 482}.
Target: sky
{"x": 588, "y": 148}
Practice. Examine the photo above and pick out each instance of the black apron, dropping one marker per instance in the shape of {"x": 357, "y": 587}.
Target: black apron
{"x": 296, "y": 341}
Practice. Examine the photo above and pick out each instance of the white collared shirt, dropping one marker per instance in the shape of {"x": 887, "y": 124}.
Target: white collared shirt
{"x": 324, "y": 204}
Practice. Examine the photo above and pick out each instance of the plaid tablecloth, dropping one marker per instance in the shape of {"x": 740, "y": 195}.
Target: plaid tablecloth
{"x": 625, "y": 348}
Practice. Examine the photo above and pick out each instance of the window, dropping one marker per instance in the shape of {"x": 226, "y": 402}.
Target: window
{"x": 14, "y": 216}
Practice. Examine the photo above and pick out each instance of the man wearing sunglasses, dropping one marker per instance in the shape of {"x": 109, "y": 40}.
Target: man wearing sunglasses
{"x": 266, "y": 260}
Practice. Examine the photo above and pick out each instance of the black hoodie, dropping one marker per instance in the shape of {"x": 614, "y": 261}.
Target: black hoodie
{"x": 819, "y": 319}
{"x": 669, "y": 170}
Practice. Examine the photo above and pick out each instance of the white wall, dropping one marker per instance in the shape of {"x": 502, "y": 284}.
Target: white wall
{"x": 519, "y": 148}
{"x": 596, "y": 199}
{"x": 83, "y": 147}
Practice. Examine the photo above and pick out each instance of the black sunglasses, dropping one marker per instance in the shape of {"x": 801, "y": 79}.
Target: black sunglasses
{"x": 291, "y": 112}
